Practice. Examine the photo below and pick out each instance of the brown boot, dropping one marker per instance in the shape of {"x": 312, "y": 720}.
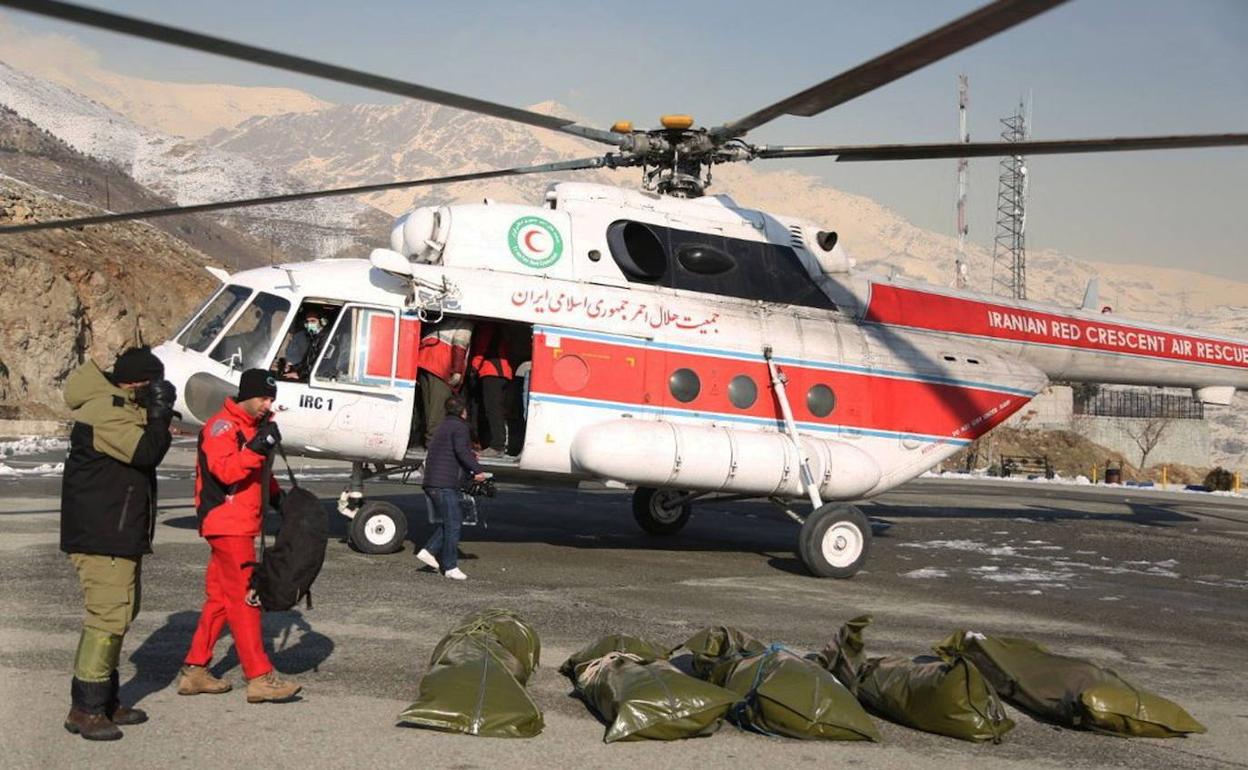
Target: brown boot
{"x": 93, "y": 727}
{"x": 88, "y": 713}
{"x": 121, "y": 714}
{"x": 271, "y": 688}
{"x": 197, "y": 680}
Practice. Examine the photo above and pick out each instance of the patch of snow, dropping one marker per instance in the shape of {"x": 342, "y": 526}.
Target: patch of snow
{"x": 1023, "y": 575}
{"x": 32, "y": 445}
{"x": 925, "y": 572}
{"x": 44, "y": 469}
{"x": 973, "y": 546}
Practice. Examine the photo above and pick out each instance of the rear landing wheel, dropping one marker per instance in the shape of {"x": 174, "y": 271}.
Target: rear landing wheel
{"x": 378, "y": 527}
{"x": 834, "y": 541}
{"x": 654, "y": 512}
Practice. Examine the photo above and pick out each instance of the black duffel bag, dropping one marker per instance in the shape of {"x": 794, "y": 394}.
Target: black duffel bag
{"x": 287, "y": 569}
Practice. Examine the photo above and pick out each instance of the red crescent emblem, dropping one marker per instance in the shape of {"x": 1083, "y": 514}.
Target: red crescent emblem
{"x": 528, "y": 241}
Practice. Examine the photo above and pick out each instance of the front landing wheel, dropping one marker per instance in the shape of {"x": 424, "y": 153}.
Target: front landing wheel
{"x": 834, "y": 541}
{"x": 654, "y": 512}
{"x": 378, "y": 527}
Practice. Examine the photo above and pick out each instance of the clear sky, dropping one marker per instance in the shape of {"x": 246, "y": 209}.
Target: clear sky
{"x": 1094, "y": 67}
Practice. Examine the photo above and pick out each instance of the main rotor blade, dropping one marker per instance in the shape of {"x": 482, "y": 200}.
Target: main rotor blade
{"x": 161, "y": 33}
{"x": 199, "y": 208}
{"x": 953, "y": 37}
{"x": 991, "y": 149}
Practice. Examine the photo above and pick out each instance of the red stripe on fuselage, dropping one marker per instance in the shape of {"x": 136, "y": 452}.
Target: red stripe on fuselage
{"x": 937, "y": 312}
{"x": 632, "y": 373}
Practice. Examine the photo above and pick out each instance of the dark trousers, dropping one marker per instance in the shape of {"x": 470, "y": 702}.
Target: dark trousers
{"x": 433, "y": 393}
{"x": 493, "y": 393}
{"x": 444, "y": 542}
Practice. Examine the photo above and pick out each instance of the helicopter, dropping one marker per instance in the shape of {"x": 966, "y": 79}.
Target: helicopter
{"x": 671, "y": 340}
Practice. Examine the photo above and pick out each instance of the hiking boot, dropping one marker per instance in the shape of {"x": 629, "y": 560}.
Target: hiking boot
{"x": 196, "y": 680}
{"x": 128, "y": 715}
{"x": 271, "y": 688}
{"x": 428, "y": 558}
{"x": 121, "y": 715}
{"x": 93, "y": 727}
{"x": 455, "y": 573}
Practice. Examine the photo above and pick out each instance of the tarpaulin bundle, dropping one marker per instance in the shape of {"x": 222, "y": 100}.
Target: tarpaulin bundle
{"x": 945, "y": 695}
{"x": 718, "y": 648}
{"x": 784, "y": 694}
{"x": 475, "y": 683}
{"x": 508, "y": 628}
{"x": 643, "y": 649}
{"x": 1070, "y": 691}
{"x": 650, "y": 700}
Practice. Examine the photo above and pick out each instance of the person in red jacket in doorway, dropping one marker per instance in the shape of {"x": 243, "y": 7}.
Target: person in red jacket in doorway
{"x": 234, "y": 449}
{"x": 491, "y": 360}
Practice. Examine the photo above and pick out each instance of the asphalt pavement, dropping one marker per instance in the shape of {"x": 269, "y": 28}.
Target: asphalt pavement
{"x": 1152, "y": 585}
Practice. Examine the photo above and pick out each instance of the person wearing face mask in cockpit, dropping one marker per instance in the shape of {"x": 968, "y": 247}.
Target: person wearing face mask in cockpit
{"x": 305, "y": 345}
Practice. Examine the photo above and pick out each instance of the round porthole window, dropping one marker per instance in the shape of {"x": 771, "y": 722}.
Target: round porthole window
{"x": 684, "y": 385}
{"x": 742, "y": 391}
{"x": 820, "y": 400}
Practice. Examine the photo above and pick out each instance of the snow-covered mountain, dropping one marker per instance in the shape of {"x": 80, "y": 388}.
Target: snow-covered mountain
{"x": 189, "y": 172}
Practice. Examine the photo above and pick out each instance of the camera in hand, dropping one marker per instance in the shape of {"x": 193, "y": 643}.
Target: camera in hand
{"x": 483, "y": 488}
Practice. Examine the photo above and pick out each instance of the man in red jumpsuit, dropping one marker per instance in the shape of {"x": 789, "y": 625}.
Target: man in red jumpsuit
{"x": 234, "y": 447}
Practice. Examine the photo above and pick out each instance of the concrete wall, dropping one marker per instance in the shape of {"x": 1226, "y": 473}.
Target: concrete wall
{"x": 1182, "y": 441}
{"x": 1052, "y": 409}
{"x": 1188, "y": 442}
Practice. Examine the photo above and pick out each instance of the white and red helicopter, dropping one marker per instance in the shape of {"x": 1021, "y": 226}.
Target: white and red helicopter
{"x": 682, "y": 344}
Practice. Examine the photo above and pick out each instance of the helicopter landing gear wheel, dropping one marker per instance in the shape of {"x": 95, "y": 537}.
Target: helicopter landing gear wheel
{"x": 378, "y": 527}
{"x": 834, "y": 541}
{"x": 654, "y": 512}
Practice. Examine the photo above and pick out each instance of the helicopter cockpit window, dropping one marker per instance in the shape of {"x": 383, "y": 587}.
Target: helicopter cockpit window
{"x": 360, "y": 350}
{"x": 216, "y": 314}
{"x": 639, "y": 250}
{"x": 246, "y": 345}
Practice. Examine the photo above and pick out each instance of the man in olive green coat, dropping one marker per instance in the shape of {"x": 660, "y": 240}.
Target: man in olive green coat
{"x": 108, "y": 515}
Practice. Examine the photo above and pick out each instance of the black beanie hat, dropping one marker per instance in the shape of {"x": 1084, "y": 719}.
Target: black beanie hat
{"x": 256, "y": 382}
{"x": 138, "y": 365}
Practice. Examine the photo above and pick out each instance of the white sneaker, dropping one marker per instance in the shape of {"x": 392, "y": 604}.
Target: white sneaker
{"x": 427, "y": 558}
{"x": 456, "y": 574}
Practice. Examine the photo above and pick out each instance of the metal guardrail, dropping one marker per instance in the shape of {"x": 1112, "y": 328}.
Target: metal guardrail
{"x": 1145, "y": 404}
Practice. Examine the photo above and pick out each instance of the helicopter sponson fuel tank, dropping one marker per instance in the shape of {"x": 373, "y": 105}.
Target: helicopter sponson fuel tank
{"x": 721, "y": 459}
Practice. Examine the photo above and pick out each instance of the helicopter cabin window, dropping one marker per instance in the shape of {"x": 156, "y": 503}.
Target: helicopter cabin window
{"x": 713, "y": 264}
{"x": 247, "y": 342}
{"x": 200, "y": 333}
{"x": 360, "y": 351}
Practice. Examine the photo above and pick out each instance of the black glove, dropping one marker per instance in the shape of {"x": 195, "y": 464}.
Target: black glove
{"x": 265, "y": 439}
{"x": 161, "y": 397}
{"x": 275, "y": 499}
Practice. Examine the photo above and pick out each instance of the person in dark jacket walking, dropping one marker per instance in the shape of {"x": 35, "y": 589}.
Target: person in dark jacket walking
{"x": 450, "y": 450}
{"x": 108, "y": 517}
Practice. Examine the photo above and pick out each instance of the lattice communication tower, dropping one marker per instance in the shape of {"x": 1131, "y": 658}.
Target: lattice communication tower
{"x": 1009, "y": 251}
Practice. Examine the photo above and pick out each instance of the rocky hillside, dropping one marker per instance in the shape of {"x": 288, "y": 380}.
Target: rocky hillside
{"x": 32, "y": 155}
{"x": 68, "y": 295}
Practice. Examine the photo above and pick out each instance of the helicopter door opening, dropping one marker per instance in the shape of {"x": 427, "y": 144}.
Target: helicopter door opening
{"x": 488, "y": 363}
{"x": 347, "y": 389}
